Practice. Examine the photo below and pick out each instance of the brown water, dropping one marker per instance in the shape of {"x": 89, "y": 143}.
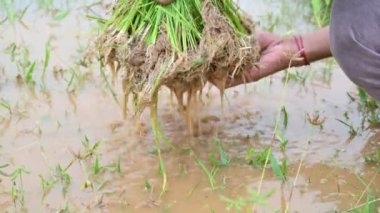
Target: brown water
{"x": 326, "y": 170}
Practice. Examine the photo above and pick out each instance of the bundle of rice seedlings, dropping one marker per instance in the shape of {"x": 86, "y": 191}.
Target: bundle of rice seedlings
{"x": 181, "y": 46}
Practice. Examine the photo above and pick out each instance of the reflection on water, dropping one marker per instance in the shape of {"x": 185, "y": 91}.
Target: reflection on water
{"x": 44, "y": 125}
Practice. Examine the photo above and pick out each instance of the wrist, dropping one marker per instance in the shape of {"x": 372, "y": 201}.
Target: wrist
{"x": 316, "y": 44}
{"x": 294, "y": 51}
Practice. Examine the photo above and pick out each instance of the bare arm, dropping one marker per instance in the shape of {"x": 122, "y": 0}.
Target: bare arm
{"x": 317, "y": 44}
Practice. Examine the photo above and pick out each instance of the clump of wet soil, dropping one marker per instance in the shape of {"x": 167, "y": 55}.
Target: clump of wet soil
{"x": 221, "y": 53}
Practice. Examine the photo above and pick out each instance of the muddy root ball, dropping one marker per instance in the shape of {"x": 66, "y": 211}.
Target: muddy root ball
{"x": 221, "y": 51}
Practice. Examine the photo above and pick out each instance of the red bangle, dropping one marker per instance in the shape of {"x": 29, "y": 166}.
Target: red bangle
{"x": 301, "y": 49}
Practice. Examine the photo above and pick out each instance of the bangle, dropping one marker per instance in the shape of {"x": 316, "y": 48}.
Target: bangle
{"x": 301, "y": 49}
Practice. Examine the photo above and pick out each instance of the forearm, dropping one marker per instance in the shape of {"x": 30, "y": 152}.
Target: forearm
{"x": 316, "y": 46}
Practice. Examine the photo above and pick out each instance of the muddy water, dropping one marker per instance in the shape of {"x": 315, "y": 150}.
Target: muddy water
{"x": 47, "y": 124}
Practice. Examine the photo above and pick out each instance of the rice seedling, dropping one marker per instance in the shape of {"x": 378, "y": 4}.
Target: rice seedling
{"x": 373, "y": 158}
{"x": 211, "y": 174}
{"x": 8, "y": 6}
{"x": 256, "y": 158}
{"x": 352, "y": 131}
{"x": 21, "y": 56}
{"x": 321, "y": 11}
{"x": 11, "y": 50}
{"x": 23, "y": 61}
{"x": 284, "y": 169}
{"x": 282, "y": 139}
{"x": 284, "y": 117}
{"x": 218, "y": 158}
{"x": 264, "y": 158}
{"x": 45, "y": 4}
{"x": 29, "y": 74}
{"x": 297, "y": 76}
{"x": 6, "y": 105}
{"x": 369, "y": 206}
{"x": 116, "y": 168}
{"x": 96, "y": 166}
{"x": 148, "y": 186}
{"x": 47, "y": 185}
{"x": 12, "y": 13}
{"x": 108, "y": 86}
{"x": 17, "y": 190}
{"x": 75, "y": 81}
{"x": 60, "y": 15}
{"x": 21, "y": 15}
{"x": 369, "y": 200}
{"x": 61, "y": 175}
{"x": 46, "y": 61}
{"x": 221, "y": 159}
{"x": 369, "y": 107}
{"x": 277, "y": 169}
{"x": 157, "y": 139}
{"x": 2, "y": 173}
{"x": 89, "y": 150}
{"x": 244, "y": 204}
{"x": 64, "y": 178}
{"x": 65, "y": 209}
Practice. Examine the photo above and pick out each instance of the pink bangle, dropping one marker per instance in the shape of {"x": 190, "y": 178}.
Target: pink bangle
{"x": 301, "y": 49}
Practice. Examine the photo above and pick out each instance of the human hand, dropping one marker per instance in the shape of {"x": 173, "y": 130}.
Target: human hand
{"x": 165, "y": 2}
{"x": 276, "y": 54}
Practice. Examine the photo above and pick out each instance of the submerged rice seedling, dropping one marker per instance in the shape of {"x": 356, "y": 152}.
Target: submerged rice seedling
{"x": 18, "y": 191}
{"x": 218, "y": 156}
{"x": 210, "y": 173}
{"x": 373, "y": 158}
{"x": 369, "y": 107}
{"x": 29, "y": 74}
{"x": 45, "y": 4}
{"x": 244, "y": 204}
{"x": 3, "y": 173}
{"x": 284, "y": 116}
{"x": 46, "y": 61}
{"x": 11, "y": 12}
{"x": 282, "y": 139}
{"x": 59, "y": 16}
{"x": 353, "y": 132}
{"x": 47, "y": 185}
{"x": 257, "y": 159}
{"x": 5, "y": 105}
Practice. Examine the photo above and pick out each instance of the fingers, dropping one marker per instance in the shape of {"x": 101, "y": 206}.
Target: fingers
{"x": 265, "y": 39}
{"x": 248, "y": 76}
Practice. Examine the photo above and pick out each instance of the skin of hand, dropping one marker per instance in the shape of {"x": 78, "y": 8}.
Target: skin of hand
{"x": 280, "y": 53}
{"x": 276, "y": 54}
{"x": 165, "y": 2}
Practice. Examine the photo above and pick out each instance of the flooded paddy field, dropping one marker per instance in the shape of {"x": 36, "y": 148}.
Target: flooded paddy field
{"x": 300, "y": 141}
